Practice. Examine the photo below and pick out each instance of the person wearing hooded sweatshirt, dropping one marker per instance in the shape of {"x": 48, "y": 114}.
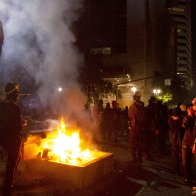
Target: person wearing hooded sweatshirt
{"x": 10, "y": 134}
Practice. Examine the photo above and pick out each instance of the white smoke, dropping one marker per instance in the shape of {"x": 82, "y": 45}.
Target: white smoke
{"x": 38, "y": 38}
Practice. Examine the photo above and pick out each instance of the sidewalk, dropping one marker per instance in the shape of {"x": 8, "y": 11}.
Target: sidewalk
{"x": 155, "y": 177}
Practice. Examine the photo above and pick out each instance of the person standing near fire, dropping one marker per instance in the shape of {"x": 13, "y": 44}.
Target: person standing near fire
{"x": 117, "y": 115}
{"x": 10, "y": 134}
{"x": 136, "y": 124}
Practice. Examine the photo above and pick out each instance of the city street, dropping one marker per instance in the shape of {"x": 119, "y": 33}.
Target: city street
{"x": 154, "y": 177}
{"x": 82, "y": 81}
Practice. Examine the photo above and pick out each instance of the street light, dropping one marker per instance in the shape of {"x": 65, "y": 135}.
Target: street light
{"x": 156, "y": 91}
{"x": 134, "y": 89}
{"x": 60, "y": 89}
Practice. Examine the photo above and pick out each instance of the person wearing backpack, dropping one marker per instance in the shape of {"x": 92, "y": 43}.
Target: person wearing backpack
{"x": 10, "y": 136}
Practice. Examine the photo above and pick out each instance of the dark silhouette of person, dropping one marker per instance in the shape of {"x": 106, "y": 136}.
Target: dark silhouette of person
{"x": 136, "y": 124}
{"x": 117, "y": 115}
{"x": 183, "y": 112}
{"x": 152, "y": 112}
{"x": 162, "y": 126}
{"x": 174, "y": 134}
{"x": 125, "y": 121}
{"x": 108, "y": 116}
{"x": 10, "y": 138}
{"x": 187, "y": 143}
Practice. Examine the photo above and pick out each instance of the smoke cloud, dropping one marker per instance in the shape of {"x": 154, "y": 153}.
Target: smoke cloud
{"x": 39, "y": 40}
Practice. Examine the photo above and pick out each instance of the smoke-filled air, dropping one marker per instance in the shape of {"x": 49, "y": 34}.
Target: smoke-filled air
{"x": 38, "y": 42}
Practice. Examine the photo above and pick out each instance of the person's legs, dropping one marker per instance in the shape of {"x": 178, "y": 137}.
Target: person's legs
{"x": 140, "y": 145}
{"x": 133, "y": 143}
{"x": 161, "y": 142}
{"x": 13, "y": 158}
{"x": 176, "y": 157}
{"x": 9, "y": 174}
{"x": 186, "y": 162}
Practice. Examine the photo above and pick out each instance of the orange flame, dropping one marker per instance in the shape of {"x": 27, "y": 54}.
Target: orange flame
{"x": 64, "y": 146}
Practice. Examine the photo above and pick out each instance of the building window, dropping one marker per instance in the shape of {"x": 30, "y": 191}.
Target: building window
{"x": 178, "y": 9}
{"x": 101, "y": 51}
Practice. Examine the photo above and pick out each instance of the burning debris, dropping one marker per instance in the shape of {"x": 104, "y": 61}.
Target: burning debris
{"x": 63, "y": 158}
{"x": 62, "y": 145}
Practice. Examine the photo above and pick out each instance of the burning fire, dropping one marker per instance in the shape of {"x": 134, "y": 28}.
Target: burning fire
{"x": 65, "y": 146}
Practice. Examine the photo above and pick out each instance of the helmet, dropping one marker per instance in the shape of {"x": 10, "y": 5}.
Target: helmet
{"x": 183, "y": 107}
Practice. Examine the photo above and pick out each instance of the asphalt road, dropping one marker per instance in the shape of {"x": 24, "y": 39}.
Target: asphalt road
{"x": 151, "y": 178}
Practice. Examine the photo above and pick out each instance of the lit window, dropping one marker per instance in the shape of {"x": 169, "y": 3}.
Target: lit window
{"x": 178, "y": 9}
{"x": 101, "y": 51}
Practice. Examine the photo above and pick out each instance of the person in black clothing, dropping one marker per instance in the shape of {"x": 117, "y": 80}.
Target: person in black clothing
{"x": 108, "y": 117}
{"x": 117, "y": 115}
{"x": 174, "y": 134}
{"x": 125, "y": 121}
{"x": 10, "y": 138}
{"x": 162, "y": 126}
{"x": 187, "y": 143}
{"x": 100, "y": 110}
{"x": 152, "y": 113}
{"x": 183, "y": 112}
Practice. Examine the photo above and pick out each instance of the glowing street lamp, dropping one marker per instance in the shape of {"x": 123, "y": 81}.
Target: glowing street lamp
{"x": 134, "y": 89}
{"x": 156, "y": 91}
{"x": 60, "y": 89}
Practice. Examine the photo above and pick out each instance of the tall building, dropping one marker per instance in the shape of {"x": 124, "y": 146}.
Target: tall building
{"x": 193, "y": 21}
{"x": 151, "y": 43}
{"x": 181, "y": 12}
{"x": 131, "y": 43}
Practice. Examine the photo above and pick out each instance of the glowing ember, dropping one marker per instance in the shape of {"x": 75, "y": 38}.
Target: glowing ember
{"x": 65, "y": 146}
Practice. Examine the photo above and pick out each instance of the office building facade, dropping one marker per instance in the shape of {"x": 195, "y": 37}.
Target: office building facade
{"x": 181, "y": 12}
{"x": 132, "y": 43}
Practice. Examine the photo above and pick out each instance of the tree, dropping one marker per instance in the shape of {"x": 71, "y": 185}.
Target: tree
{"x": 178, "y": 90}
